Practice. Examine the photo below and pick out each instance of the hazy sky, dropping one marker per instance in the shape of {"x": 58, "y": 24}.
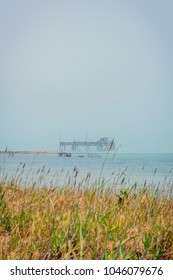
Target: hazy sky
{"x": 76, "y": 69}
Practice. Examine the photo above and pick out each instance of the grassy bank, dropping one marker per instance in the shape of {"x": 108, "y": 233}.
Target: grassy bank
{"x": 73, "y": 223}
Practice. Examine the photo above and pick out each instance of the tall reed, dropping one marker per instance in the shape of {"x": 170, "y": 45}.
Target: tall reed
{"x": 85, "y": 223}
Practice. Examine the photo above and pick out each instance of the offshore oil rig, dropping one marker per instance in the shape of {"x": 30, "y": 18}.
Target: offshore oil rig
{"x": 104, "y": 144}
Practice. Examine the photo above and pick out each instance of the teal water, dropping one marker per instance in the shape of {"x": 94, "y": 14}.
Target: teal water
{"x": 53, "y": 170}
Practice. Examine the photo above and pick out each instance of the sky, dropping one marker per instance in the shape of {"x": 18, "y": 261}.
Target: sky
{"x": 77, "y": 70}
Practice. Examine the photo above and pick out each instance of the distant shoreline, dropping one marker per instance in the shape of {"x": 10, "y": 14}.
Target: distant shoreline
{"x": 64, "y": 153}
{"x": 30, "y": 152}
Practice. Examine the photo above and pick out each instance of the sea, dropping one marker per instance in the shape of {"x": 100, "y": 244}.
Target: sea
{"x": 88, "y": 169}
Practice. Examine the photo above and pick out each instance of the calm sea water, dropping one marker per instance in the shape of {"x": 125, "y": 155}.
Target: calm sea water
{"x": 53, "y": 170}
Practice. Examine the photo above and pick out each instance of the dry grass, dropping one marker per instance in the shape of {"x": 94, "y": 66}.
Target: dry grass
{"x": 75, "y": 223}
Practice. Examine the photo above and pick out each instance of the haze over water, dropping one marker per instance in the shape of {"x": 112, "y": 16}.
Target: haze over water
{"x": 71, "y": 70}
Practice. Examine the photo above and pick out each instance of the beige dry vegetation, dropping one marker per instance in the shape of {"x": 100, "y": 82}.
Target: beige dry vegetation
{"x": 75, "y": 223}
